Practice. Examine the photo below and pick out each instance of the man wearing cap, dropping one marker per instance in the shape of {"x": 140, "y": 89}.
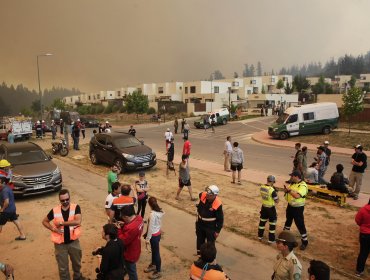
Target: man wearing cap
{"x": 268, "y": 212}
{"x": 327, "y": 152}
{"x": 359, "y": 162}
{"x": 210, "y": 217}
{"x": 321, "y": 164}
{"x": 287, "y": 265}
{"x": 295, "y": 195}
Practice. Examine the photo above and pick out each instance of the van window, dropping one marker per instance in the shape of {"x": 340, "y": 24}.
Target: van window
{"x": 292, "y": 118}
{"x": 308, "y": 116}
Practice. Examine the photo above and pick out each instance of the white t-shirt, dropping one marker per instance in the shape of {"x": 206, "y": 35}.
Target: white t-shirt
{"x": 168, "y": 135}
{"x": 228, "y": 148}
{"x": 109, "y": 201}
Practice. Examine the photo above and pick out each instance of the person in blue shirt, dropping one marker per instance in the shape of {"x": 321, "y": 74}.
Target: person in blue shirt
{"x": 10, "y": 137}
{"x": 8, "y": 211}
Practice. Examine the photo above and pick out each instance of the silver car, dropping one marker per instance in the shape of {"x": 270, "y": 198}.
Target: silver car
{"x": 33, "y": 170}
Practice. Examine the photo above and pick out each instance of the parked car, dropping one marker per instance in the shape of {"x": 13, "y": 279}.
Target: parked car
{"x": 90, "y": 122}
{"x": 121, "y": 149}
{"x": 33, "y": 170}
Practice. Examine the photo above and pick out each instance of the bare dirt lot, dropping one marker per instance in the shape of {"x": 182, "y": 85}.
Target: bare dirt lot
{"x": 333, "y": 234}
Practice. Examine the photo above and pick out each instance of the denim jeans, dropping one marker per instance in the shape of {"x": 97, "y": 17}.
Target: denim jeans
{"x": 76, "y": 141}
{"x": 156, "y": 257}
{"x": 131, "y": 270}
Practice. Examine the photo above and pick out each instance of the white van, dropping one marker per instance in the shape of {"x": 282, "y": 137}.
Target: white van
{"x": 306, "y": 119}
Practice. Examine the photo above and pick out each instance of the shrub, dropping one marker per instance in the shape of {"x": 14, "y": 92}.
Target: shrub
{"x": 115, "y": 108}
{"x": 150, "y": 111}
{"x": 122, "y": 109}
{"x": 172, "y": 110}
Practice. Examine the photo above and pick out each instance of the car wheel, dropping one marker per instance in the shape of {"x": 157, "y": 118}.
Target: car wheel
{"x": 224, "y": 121}
{"x": 326, "y": 130}
{"x": 93, "y": 158}
{"x": 119, "y": 164}
{"x": 284, "y": 135}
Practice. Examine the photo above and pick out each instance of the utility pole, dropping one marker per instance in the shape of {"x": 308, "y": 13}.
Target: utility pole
{"x": 229, "y": 103}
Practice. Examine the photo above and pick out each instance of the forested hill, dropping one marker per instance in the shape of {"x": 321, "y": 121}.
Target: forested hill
{"x": 14, "y": 99}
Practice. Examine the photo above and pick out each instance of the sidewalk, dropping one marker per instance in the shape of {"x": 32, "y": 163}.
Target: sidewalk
{"x": 263, "y": 138}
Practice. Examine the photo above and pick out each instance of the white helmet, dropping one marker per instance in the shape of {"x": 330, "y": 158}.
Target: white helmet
{"x": 38, "y": 122}
{"x": 106, "y": 122}
{"x": 42, "y": 121}
{"x": 78, "y": 120}
{"x": 213, "y": 189}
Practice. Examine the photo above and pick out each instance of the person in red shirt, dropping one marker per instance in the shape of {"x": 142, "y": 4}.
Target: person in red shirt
{"x": 186, "y": 148}
{"x": 363, "y": 220}
{"x": 130, "y": 231}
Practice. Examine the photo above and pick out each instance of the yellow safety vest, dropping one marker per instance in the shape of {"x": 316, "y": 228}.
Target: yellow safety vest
{"x": 266, "y": 195}
{"x": 301, "y": 188}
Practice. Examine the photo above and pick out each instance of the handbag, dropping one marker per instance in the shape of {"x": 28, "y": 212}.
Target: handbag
{"x": 141, "y": 196}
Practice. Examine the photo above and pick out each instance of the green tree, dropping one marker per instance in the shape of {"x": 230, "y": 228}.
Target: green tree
{"x": 352, "y": 81}
{"x": 322, "y": 87}
{"x": 288, "y": 88}
{"x": 58, "y": 104}
{"x": 259, "y": 68}
{"x": 300, "y": 83}
{"x": 352, "y": 104}
{"x": 36, "y": 106}
{"x": 137, "y": 103}
{"x": 280, "y": 84}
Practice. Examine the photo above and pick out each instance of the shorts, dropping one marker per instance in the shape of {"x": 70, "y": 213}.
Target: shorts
{"x": 182, "y": 184}
{"x": 7, "y": 217}
{"x": 235, "y": 167}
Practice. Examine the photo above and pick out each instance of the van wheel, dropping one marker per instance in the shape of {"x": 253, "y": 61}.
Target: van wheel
{"x": 284, "y": 135}
{"x": 224, "y": 121}
{"x": 326, "y": 130}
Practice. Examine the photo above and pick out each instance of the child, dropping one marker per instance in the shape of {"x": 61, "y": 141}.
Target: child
{"x": 142, "y": 188}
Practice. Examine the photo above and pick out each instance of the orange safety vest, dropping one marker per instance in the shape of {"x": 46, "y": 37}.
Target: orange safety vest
{"x": 74, "y": 231}
{"x": 196, "y": 273}
{"x": 123, "y": 200}
{"x": 215, "y": 204}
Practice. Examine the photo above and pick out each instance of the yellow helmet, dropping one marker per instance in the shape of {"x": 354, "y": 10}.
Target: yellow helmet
{"x": 4, "y": 163}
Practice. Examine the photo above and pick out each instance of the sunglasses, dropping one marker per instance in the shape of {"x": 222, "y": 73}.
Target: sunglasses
{"x": 64, "y": 200}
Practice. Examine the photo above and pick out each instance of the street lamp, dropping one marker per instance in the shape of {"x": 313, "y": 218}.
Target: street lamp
{"x": 38, "y": 76}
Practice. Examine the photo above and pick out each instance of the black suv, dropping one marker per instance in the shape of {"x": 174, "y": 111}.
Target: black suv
{"x": 121, "y": 149}
{"x": 33, "y": 171}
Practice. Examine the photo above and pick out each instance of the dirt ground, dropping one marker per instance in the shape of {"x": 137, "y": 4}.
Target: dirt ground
{"x": 332, "y": 232}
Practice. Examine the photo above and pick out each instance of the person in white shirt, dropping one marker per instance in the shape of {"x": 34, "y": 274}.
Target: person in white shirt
{"x": 236, "y": 161}
{"x": 168, "y": 135}
{"x": 227, "y": 152}
{"x": 312, "y": 174}
{"x": 116, "y": 192}
{"x": 153, "y": 237}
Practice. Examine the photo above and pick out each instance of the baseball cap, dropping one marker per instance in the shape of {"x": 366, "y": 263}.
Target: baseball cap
{"x": 141, "y": 173}
{"x": 358, "y": 147}
{"x": 271, "y": 178}
{"x": 322, "y": 148}
{"x": 212, "y": 189}
{"x": 296, "y": 173}
{"x": 286, "y": 236}
{"x": 326, "y": 142}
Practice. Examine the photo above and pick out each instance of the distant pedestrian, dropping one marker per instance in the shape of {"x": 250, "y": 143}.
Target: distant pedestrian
{"x": 186, "y": 129}
{"x": 61, "y": 125}
{"x": 107, "y": 127}
{"x": 159, "y": 118}
{"x": 205, "y": 123}
{"x": 10, "y": 136}
{"x": 142, "y": 188}
{"x": 184, "y": 178}
{"x": 176, "y": 125}
{"x": 38, "y": 128}
{"x": 182, "y": 125}
{"x": 186, "y": 148}
{"x": 318, "y": 270}
{"x": 213, "y": 122}
{"x": 153, "y": 237}
{"x": 112, "y": 177}
{"x": 321, "y": 164}
{"x": 363, "y": 221}
{"x": 312, "y": 174}
{"x": 132, "y": 130}
{"x": 266, "y": 110}
{"x": 53, "y": 128}
{"x": 236, "y": 162}
{"x": 339, "y": 181}
{"x": 76, "y": 136}
{"x": 359, "y": 162}
{"x": 167, "y": 137}
{"x": 227, "y": 153}
{"x": 327, "y": 151}
{"x": 83, "y": 130}
{"x": 262, "y": 110}
{"x": 297, "y": 158}
{"x": 93, "y": 133}
{"x": 268, "y": 211}
{"x": 170, "y": 156}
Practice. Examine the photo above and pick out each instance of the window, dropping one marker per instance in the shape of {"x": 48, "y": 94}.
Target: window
{"x": 193, "y": 89}
{"x": 160, "y": 89}
{"x": 235, "y": 84}
{"x": 363, "y": 77}
{"x": 284, "y": 79}
{"x": 180, "y": 88}
{"x": 186, "y": 89}
{"x": 272, "y": 79}
{"x": 308, "y": 116}
{"x": 98, "y": 96}
{"x": 216, "y": 89}
{"x": 71, "y": 99}
{"x": 186, "y": 100}
{"x": 253, "y": 82}
{"x": 292, "y": 118}
{"x": 118, "y": 93}
{"x": 89, "y": 97}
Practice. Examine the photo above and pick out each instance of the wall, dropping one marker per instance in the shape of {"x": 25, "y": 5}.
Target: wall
{"x": 336, "y": 98}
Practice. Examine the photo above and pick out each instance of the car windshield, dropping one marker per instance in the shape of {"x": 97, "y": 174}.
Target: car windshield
{"x": 26, "y": 157}
{"x": 128, "y": 142}
{"x": 282, "y": 118}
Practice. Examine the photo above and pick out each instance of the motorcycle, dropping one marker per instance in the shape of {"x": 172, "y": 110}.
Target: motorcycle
{"x": 60, "y": 147}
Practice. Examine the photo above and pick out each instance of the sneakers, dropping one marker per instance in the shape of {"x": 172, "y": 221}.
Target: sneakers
{"x": 355, "y": 197}
{"x": 271, "y": 242}
{"x": 303, "y": 247}
{"x": 155, "y": 275}
{"x": 359, "y": 274}
{"x": 150, "y": 268}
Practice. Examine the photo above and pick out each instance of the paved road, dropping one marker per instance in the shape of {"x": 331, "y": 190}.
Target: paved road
{"x": 209, "y": 146}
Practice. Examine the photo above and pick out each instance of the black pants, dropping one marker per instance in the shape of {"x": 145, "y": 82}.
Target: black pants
{"x": 296, "y": 214}
{"x": 204, "y": 231}
{"x": 141, "y": 204}
{"x": 364, "y": 252}
{"x": 270, "y": 215}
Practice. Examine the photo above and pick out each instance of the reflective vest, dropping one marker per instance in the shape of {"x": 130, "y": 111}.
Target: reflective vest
{"x": 123, "y": 200}
{"x": 302, "y": 189}
{"x": 74, "y": 231}
{"x": 207, "y": 215}
{"x": 266, "y": 195}
{"x": 197, "y": 273}
{"x": 215, "y": 204}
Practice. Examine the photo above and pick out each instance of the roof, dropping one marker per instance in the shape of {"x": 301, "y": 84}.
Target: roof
{"x": 117, "y": 134}
{"x": 22, "y": 146}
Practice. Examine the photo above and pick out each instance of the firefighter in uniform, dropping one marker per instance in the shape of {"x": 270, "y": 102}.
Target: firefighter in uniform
{"x": 268, "y": 211}
{"x": 287, "y": 265}
{"x": 295, "y": 195}
{"x": 210, "y": 217}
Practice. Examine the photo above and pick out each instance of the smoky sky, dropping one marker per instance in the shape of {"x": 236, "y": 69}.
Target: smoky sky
{"x": 103, "y": 45}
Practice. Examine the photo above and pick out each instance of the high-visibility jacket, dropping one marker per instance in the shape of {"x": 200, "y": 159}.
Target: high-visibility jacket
{"x": 123, "y": 200}
{"x": 74, "y": 231}
{"x": 302, "y": 189}
{"x": 215, "y": 204}
{"x": 266, "y": 195}
{"x": 196, "y": 273}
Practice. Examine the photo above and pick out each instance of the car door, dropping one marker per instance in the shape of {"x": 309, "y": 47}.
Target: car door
{"x": 110, "y": 153}
{"x": 100, "y": 147}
